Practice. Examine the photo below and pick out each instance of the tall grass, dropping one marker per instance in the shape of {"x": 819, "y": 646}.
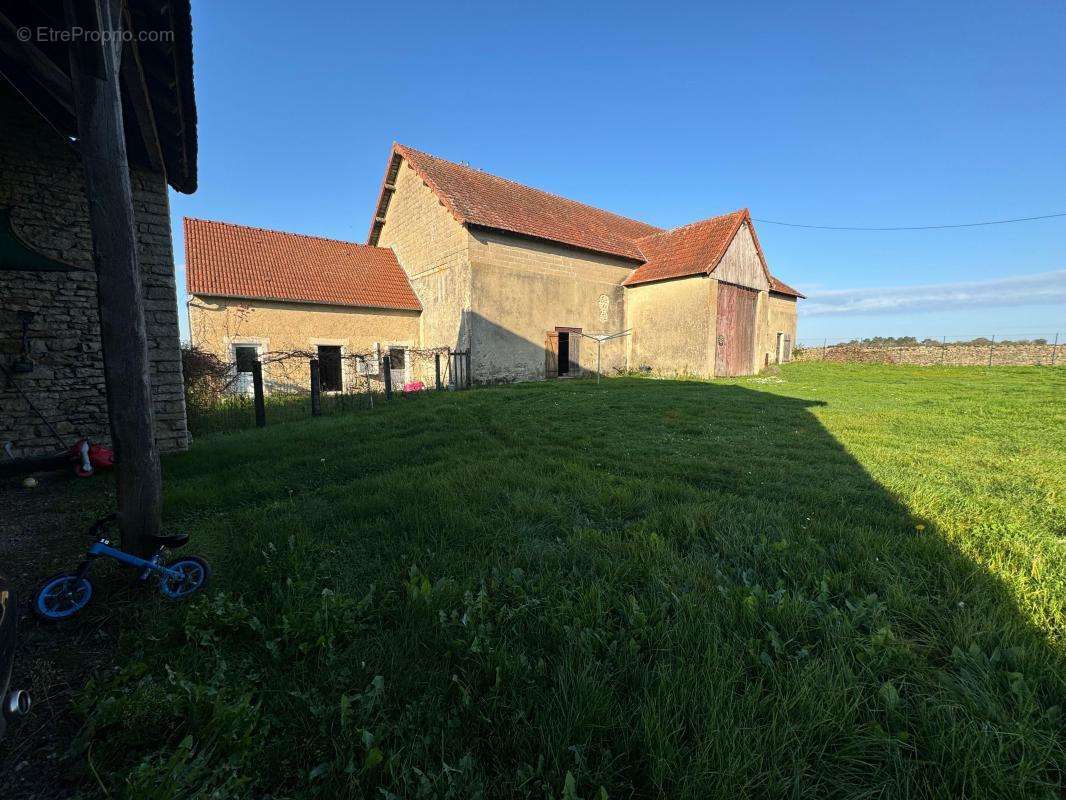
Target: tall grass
{"x": 845, "y": 583}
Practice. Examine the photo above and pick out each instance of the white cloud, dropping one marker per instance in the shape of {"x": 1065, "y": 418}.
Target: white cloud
{"x": 1025, "y": 290}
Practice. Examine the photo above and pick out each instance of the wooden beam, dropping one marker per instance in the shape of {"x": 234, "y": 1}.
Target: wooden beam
{"x": 37, "y": 65}
{"x": 137, "y": 94}
{"x": 120, "y": 298}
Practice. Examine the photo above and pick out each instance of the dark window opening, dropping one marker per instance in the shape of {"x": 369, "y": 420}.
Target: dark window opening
{"x": 564, "y": 353}
{"x": 329, "y": 368}
{"x": 245, "y": 357}
{"x": 396, "y": 359}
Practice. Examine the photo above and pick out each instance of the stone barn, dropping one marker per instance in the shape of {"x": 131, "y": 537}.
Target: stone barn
{"x": 52, "y": 379}
{"x": 526, "y": 281}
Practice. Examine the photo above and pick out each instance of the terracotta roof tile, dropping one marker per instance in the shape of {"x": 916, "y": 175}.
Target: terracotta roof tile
{"x": 478, "y": 198}
{"x": 783, "y": 288}
{"x": 689, "y": 250}
{"x": 227, "y": 260}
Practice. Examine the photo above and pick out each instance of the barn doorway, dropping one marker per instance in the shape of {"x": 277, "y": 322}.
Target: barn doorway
{"x": 564, "y": 353}
{"x": 735, "y": 343}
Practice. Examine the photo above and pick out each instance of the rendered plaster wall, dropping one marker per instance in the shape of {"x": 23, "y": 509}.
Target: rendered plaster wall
{"x": 522, "y": 289}
{"x": 673, "y": 326}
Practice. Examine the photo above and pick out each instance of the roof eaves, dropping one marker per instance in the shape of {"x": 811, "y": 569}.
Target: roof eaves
{"x": 269, "y": 299}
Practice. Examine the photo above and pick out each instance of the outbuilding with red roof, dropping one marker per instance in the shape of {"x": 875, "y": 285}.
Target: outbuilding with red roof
{"x": 528, "y": 282}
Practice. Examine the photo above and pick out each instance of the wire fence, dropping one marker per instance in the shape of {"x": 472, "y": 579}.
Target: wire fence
{"x": 260, "y": 389}
{"x": 991, "y": 351}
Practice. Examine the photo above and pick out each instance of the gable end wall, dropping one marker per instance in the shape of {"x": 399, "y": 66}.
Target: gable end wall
{"x": 433, "y": 249}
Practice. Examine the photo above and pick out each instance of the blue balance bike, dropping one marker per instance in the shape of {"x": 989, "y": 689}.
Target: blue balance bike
{"x": 64, "y": 595}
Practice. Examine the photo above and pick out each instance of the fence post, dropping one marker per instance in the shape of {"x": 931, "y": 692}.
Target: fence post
{"x": 991, "y": 346}
{"x": 825, "y": 346}
{"x": 316, "y": 389}
{"x": 1054, "y": 349}
{"x": 943, "y": 349}
{"x": 468, "y": 379}
{"x": 257, "y": 389}
{"x": 436, "y": 370}
{"x": 386, "y": 366}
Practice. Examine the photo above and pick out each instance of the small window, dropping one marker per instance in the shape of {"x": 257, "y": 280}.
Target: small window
{"x": 329, "y": 368}
{"x": 245, "y": 356}
{"x": 397, "y": 359}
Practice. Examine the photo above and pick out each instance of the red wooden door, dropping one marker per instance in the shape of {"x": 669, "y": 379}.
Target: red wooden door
{"x": 735, "y": 343}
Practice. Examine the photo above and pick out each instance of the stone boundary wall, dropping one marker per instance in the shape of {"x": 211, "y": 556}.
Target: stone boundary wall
{"x": 1006, "y": 354}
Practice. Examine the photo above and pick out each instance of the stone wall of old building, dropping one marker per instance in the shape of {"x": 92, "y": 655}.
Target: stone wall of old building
{"x": 522, "y": 288}
{"x": 673, "y": 326}
{"x": 433, "y": 249}
{"x": 42, "y": 185}
{"x": 780, "y": 318}
{"x": 218, "y": 325}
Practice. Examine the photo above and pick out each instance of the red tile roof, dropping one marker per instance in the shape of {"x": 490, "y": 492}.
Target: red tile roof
{"x": 477, "y": 198}
{"x": 226, "y": 260}
{"x": 689, "y": 250}
{"x": 780, "y": 287}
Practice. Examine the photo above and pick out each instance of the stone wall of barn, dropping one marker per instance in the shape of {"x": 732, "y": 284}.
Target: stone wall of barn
{"x": 433, "y": 249}
{"x": 673, "y": 326}
{"x": 780, "y": 318}
{"x": 522, "y": 289}
{"x": 42, "y": 185}
{"x": 218, "y": 325}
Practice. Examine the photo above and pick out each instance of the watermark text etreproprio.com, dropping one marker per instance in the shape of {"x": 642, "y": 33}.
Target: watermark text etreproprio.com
{"x": 44, "y": 33}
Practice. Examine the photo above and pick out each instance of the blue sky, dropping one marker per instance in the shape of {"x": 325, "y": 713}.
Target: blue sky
{"x": 852, "y": 114}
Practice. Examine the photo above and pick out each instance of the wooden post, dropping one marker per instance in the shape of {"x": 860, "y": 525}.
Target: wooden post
{"x": 316, "y": 389}
{"x": 1054, "y": 349}
{"x": 257, "y": 390}
{"x": 825, "y": 347}
{"x": 943, "y": 349}
{"x": 469, "y": 380}
{"x": 94, "y": 68}
{"x": 436, "y": 370}
{"x": 386, "y": 366}
{"x": 991, "y": 346}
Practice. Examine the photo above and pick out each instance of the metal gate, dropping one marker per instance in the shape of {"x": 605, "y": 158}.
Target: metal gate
{"x": 735, "y": 344}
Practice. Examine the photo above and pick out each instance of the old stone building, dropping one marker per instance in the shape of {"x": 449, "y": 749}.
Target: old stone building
{"x": 52, "y": 379}
{"x": 524, "y": 280}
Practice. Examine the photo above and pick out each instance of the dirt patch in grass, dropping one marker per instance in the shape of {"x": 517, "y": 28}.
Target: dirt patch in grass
{"x": 43, "y": 531}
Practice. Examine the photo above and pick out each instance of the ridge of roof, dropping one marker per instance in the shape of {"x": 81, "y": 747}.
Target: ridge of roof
{"x": 680, "y": 228}
{"x": 186, "y": 220}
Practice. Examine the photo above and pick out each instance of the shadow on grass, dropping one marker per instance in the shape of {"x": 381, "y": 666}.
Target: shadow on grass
{"x": 664, "y": 588}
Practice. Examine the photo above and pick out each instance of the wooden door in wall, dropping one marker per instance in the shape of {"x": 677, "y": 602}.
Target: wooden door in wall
{"x": 551, "y": 354}
{"x": 735, "y": 343}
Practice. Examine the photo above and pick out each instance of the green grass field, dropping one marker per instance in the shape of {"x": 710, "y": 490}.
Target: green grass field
{"x": 846, "y": 582}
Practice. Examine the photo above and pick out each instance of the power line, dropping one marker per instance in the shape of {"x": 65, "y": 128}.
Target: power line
{"x": 910, "y": 227}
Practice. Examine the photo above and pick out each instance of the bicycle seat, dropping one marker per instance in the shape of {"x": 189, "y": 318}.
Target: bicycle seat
{"x": 173, "y": 541}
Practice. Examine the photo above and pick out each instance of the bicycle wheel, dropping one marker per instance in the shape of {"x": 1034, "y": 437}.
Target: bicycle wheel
{"x": 194, "y": 572}
{"x": 62, "y": 596}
